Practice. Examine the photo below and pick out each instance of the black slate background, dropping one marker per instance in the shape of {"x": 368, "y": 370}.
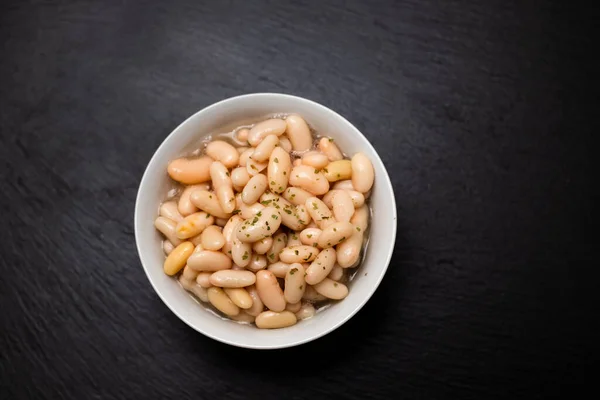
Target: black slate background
{"x": 483, "y": 113}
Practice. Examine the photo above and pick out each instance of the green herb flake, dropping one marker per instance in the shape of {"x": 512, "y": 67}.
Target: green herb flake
{"x": 284, "y": 173}
{"x": 338, "y": 175}
{"x": 273, "y": 183}
{"x": 274, "y": 216}
{"x": 309, "y": 235}
{"x": 259, "y": 213}
{"x": 272, "y": 256}
{"x": 331, "y": 140}
{"x": 293, "y": 195}
{"x": 227, "y": 173}
{"x": 316, "y": 171}
{"x": 335, "y": 229}
{"x": 315, "y": 206}
{"x": 335, "y": 284}
{"x": 293, "y": 271}
{"x": 287, "y": 211}
{"x": 265, "y": 202}
{"x": 207, "y": 215}
{"x": 358, "y": 229}
{"x": 280, "y": 188}
{"x": 301, "y": 286}
{"x": 253, "y": 167}
{"x": 296, "y": 252}
{"x": 276, "y": 160}
{"x": 247, "y": 235}
{"x": 245, "y": 256}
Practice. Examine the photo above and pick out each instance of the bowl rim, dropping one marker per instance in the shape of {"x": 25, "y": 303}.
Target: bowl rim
{"x": 292, "y": 343}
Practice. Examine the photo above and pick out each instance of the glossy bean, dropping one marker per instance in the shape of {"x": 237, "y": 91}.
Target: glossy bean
{"x": 279, "y": 269}
{"x": 189, "y": 273}
{"x": 315, "y": 159}
{"x": 239, "y": 178}
{"x": 265, "y": 148}
{"x": 167, "y": 247}
{"x": 343, "y": 185}
{"x": 298, "y": 132}
{"x": 296, "y": 196}
{"x": 241, "y": 135}
{"x": 224, "y": 152}
{"x": 337, "y": 273}
{"x": 307, "y": 310}
{"x": 190, "y": 171}
{"x": 335, "y": 234}
{"x": 168, "y": 209}
{"x": 261, "y": 130}
{"x": 361, "y": 218}
{"x": 178, "y": 257}
{"x": 239, "y": 297}
{"x": 219, "y": 299}
{"x": 223, "y": 186}
{"x": 229, "y": 233}
{"x": 275, "y": 320}
{"x": 310, "y": 236}
{"x": 265, "y": 223}
{"x": 293, "y": 239}
{"x": 254, "y": 167}
{"x": 321, "y": 266}
{"x": 241, "y": 252}
{"x": 330, "y": 149}
{"x": 208, "y": 202}
{"x": 294, "y": 283}
{"x": 244, "y": 157}
{"x": 257, "y": 304}
{"x": 185, "y": 205}
{"x": 348, "y": 252}
{"x": 278, "y": 171}
{"x": 338, "y": 170}
{"x": 309, "y": 179}
{"x": 255, "y": 187}
{"x": 207, "y": 260}
{"x": 279, "y": 242}
{"x": 285, "y": 143}
{"x": 203, "y": 279}
{"x": 258, "y": 262}
{"x": 168, "y": 228}
{"x": 263, "y": 245}
{"x": 193, "y": 225}
{"x": 298, "y": 254}
{"x": 232, "y": 279}
{"x": 319, "y": 212}
{"x": 331, "y": 289}
{"x": 342, "y": 206}
{"x": 212, "y": 238}
{"x": 363, "y": 174}
{"x": 269, "y": 291}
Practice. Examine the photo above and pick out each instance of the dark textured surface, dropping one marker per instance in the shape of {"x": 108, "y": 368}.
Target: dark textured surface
{"x": 483, "y": 114}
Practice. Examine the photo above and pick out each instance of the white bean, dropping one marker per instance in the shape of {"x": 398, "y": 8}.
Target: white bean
{"x": 241, "y": 252}
{"x": 189, "y": 273}
{"x": 193, "y": 225}
{"x": 241, "y": 135}
{"x": 321, "y": 266}
{"x": 208, "y": 202}
{"x": 285, "y": 143}
{"x": 293, "y": 307}
{"x": 239, "y": 297}
{"x": 239, "y": 178}
{"x": 194, "y": 288}
{"x": 279, "y": 269}
{"x": 343, "y": 207}
{"x": 224, "y": 152}
{"x": 223, "y": 186}
{"x": 255, "y": 187}
{"x": 247, "y": 211}
{"x": 331, "y": 289}
{"x": 335, "y": 234}
{"x": 310, "y": 236}
{"x": 296, "y": 196}
{"x": 244, "y": 157}
{"x": 279, "y": 242}
{"x": 298, "y": 132}
{"x": 348, "y": 252}
{"x": 203, "y": 279}
{"x": 190, "y": 170}
{"x": 254, "y": 167}
{"x": 278, "y": 170}
{"x": 257, "y": 304}
{"x": 168, "y": 209}
{"x": 307, "y": 310}
{"x": 269, "y": 291}
{"x": 168, "y": 228}
{"x": 330, "y": 149}
{"x": 319, "y": 212}
{"x": 336, "y": 273}
{"x": 294, "y": 283}
{"x": 263, "y": 245}
{"x": 275, "y": 320}
{"x": 167, "y": 247}
{"x": 221, "y": 221}
{"x": 232, "y": 279}
{"x": 265, "y": 223}
{"x": 298, "y": 254}
{"x": 258, "y": 262}
{"x": 311, "y": 294}
{"x": 219, "y": 299}
{"x": 338, "y": 170}
{"x": 212, "y": 238}
{"x": 229, "y": 233}
{"x": 343, "y": 185}
{"x": 315, "y": 159}
{"x": 358, "y": 199}
{"x": 309, "y": 179}
{"x": 363, "y": 174}
{"x": 361, "y": 218}
{"x": 185, "y": 205}
{"x": 294, "y": 239}
{"x": 243, "y": 317}
{"x": 207, "y": 260}
{"x": 269, "y": 127}
{"x": 303, "y": 215}
{"x": 265, "y": 148}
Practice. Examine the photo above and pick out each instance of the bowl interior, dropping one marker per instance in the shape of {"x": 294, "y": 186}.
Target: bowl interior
{"x": 155, "y": 184}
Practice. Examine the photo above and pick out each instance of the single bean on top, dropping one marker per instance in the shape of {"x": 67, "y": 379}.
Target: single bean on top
{"x": 267, "y": 222}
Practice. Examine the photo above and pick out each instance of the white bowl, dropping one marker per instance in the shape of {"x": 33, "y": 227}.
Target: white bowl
{"x": 155, "y": 184}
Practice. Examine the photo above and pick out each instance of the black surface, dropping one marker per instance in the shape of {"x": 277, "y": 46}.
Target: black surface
{"x": 483, "y": 114}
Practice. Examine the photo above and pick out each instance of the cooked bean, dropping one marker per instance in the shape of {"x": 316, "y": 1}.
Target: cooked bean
{"x": 269, "y": 291}
{"x": 265, "y": 148}
{"x": 275, "y": 320}
{"x": 207, "y": 260}
{"x": 307, "y": 310}
{"x": 336, "y": 273}
{"x": 335, "y": 234}
{"x": 203, "y": 279}
{"x": 255, "y": 187}
{"x": 263, "y": 245}
{"x": 298, "y": 254}
{"x": 293, "y": 307}
{"x": 232, "y": 279}
{"x": 331, "y": 289}
{"x": 208, "y": 202}
{"x": 193, "y": 225}
{"x": 178, "y": 257}
{"x": 168, "y": 228}
{"x": 343, "y": 185}
{"x": 167, "y": 247}
{"x": 189, "y": 273}
{"x": 185, "y": 205}
{"x": 279, "y": 242}
{"x": 265, "y": 223}
{"x": 212, "y": 238}
{"x": 247, "y": 211}
{"x": 224, "y": 152}
{"x": 311, "y": 294}
{"x": 219, "y": 299}
{"x": 297, "y": 162}
{"x": 243, "y": 317}
{"x": 257, "y": 304}
{"x": 244, "y": 157}
{"x": 319, "y": 212}
{"x": 239, "y": 178}
{"x": 363, "y": 174}
{"x": 294, "y": 239}
{"x": 190, "y": 171}
{"x": 330, "y": 149}
{"x": 294, "y": 283}
{"x": 229, "y": 233}
{"x": 296, "y": 196}
{"x": 194, "y": 288}
{"x": 221, "y": 222}
{"x": 289, "y": 215}
{"x": 321, "y": 266}
{"x": 198, "y": 248}
{"x": 309, "y": 179}
{"x": 285, "y": 143}
{"x": 242, "y": 149}
{"x": 279, "y": 269}
{"x": 239, "y": 297}
{"x": 258, "y": 262}
{"x": 168, "y": 209}
{"x": 278, "y": 170}
{"x": 361, "y": 218}
{"x": 298, "y": 132}
{"x": 303, "y": 215}
{"x": 348, "y": 252}
{"x": 269, "y": 127}
{"x": 223, "y": 186}
{"x": 315, "y": 159}
{"x": 343, "y": 207}
{"x": 241, "y": 135}
{"x": 338, "y": 170}
{"x": 310, "y": 236}
{"x": 241, "y": 252}
{"x": 358, "y": 199}
{"x": 254, "y": 167}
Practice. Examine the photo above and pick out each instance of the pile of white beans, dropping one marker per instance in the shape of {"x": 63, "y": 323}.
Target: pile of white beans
{"x": 268, "y": 227}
